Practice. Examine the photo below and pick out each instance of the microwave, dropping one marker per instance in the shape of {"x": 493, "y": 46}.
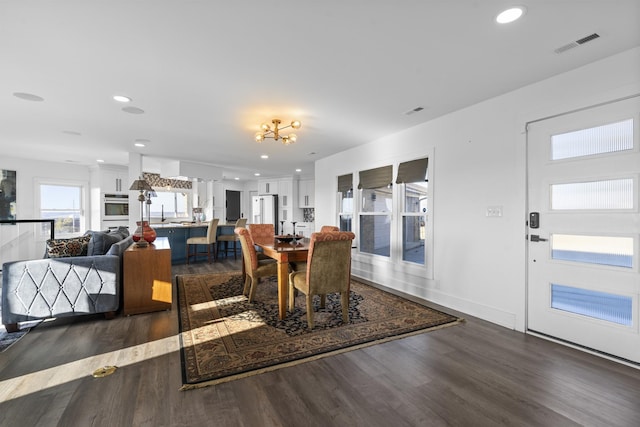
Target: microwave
{"x": 115, "y": 207}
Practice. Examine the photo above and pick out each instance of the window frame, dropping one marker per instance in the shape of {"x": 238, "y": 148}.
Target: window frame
{"x": 82, "y": 211}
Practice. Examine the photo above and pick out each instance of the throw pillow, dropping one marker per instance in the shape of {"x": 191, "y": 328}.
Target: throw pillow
{"x": 101, "y": 241}
{"x": 76, "y": 246}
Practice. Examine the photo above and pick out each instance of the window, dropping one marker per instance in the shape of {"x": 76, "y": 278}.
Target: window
{"x": 375, "y": 211}
{"x": 169, "y": 204}
{"x": 65, "y": 204}
{"x": 345, "y": 202}
{"x": 608, "y": 138}
{"x": 412, "y": 177}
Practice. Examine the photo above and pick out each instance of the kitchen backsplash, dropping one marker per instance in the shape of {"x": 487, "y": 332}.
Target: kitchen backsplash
{"x": 308, "y": 214}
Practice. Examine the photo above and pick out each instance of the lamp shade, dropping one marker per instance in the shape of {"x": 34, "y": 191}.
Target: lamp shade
{"x": 140, "y": 185}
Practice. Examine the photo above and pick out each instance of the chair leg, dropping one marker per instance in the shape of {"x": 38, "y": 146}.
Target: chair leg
{"x": 345, "y": 307}
{"x": 188, "y": 254}
{"x": 254, "y": 285}
{"x": 323, "y": 300}
{"x": 235, "y": 252}
{"x": 309, "y": 310}
{"x": 247, "y": 285}
{"x": 292, "y": 297}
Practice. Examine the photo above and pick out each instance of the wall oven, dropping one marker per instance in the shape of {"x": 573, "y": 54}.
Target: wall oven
{"x": 115, "y": 207}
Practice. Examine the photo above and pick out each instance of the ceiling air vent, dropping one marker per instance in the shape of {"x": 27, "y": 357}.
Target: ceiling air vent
{"x": 415, "y": 110}
{"x": 576, "y": 43}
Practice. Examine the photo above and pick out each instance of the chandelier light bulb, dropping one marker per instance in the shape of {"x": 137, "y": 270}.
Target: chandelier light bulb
{"x": 293, "y": 137}
{"x": 265, "y": 127}
{"x": 296, "y": 124}
{"x": 259, "y": 137}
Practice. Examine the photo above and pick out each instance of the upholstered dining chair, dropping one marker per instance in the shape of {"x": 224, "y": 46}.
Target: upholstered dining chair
{"x": 328, "y": 228}
{"x": 209, "y": 240}
{"x": 328, "y": 270}
{"x": 255, "y": 269}
{"x": 232, "y": 238}
{"x": 262, "y": 233}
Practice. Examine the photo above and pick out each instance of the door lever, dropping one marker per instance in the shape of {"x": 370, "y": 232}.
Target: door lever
{"x": 536, "y": 238}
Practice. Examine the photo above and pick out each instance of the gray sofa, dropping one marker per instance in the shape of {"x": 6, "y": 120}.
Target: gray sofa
{"x": 66, "y": 285}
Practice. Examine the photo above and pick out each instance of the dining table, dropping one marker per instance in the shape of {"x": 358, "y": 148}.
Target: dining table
{"x": 284, "y": 253}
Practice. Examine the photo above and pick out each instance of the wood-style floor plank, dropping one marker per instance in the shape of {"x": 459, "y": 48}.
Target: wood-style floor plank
{"x": 472, "y": 374}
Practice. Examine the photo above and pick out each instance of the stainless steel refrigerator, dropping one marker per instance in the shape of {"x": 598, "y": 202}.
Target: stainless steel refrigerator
{"x": 265, "y": 210}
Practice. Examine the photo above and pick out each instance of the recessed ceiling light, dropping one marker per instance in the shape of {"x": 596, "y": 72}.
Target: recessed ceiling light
{"x": 100, "y": 161}
{"x": 121, "y": 98}
{"x": 510, "y": 15}
{"x": 264, "y": 156}
{"x": 28, "y": 96}
{"x": 133, "y": 110}
{"x": 298, "y": 170}
{"x": 139, "y": 144}
{"x": 236, "y": 178}
{"x": 256, "y": 174}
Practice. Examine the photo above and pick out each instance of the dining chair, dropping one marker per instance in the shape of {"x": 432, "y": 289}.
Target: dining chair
{"x": 231, "y": 238}
{"x": 328, "y": 228}
{"x": 262, "y": 233}
{"x": 328, "y": 270}
{"x": 255, "y": 269}
{"x": 209, "y": 240}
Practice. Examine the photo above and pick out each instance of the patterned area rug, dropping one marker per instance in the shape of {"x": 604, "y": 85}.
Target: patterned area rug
{"x": 224, "y": 337}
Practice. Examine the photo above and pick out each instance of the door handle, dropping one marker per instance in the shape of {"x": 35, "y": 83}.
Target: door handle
{"x": 536, "y": 238}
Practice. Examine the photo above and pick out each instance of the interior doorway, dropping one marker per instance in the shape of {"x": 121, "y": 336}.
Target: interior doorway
{"x": 234, "y": 211}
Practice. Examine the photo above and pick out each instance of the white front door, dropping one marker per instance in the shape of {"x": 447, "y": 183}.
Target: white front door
{"x": 584, "y": 228}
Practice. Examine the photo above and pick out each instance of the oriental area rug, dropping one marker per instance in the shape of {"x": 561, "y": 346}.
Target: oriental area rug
{"x": 224, "y": 337}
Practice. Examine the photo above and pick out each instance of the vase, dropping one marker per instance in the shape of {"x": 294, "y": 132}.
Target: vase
{"x": 144, "y": 230}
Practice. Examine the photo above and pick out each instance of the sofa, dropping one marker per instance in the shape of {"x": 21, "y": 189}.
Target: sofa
{"x": 77, "y": 276}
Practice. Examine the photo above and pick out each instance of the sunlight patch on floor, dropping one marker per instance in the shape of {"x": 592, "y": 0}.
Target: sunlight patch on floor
{"x": 34, "y": 382}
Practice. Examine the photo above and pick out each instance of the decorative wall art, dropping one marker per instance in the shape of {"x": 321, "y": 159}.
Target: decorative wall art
{"x": 8, "y": 195}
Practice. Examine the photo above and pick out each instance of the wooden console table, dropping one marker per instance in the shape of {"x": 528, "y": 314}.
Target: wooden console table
{"x": 147, "y": 278}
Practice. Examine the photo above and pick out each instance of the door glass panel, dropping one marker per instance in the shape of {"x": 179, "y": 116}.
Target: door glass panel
{"x": 603, "y": 250}
{"x": 599, "y": 305}
{"x": 597, "y": 140}
{"x": 607, "y": 194}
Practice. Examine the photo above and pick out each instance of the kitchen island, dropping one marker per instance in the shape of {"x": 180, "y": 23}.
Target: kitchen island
{"x": 179, "y": 232}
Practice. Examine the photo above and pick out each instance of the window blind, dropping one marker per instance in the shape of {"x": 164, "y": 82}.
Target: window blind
{"x": 413, "y": 171}
{"x": 376, "y": 178}
{"x": 345, "y": 183}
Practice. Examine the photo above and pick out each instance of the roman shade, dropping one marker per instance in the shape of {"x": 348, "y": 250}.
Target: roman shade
{"x": 345, "y": 183}
{"x": 376, "y": 178}
{"x": 413, "y": 171}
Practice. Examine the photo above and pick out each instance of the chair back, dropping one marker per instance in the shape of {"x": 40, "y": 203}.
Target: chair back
{"x": 262, "y": 233}
{"x": 241, "y": 222}
{"x": 329, "y": 262}
{"x": 248, "y": 249}
{"x": 328, "y": 228}
{"x": 212, "y": 230}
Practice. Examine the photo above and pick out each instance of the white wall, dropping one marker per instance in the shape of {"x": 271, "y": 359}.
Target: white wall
{"x": 477, "y": 159}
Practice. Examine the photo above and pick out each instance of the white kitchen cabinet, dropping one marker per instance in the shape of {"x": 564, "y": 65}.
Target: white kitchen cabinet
{"x": 306, "y": 190}
{"x": 267, "y": 187}
{"x": 113, "y": 179}
{"x": 286, "y": 199}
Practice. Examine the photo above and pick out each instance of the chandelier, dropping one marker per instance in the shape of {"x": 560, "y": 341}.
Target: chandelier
{"x": 274, "y": 133}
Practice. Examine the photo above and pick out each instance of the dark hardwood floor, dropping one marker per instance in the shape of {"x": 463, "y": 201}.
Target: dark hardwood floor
{"x": 473, "y": 374}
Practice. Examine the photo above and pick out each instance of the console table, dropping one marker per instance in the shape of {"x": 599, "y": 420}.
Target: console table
{"x": 147, "y": 278}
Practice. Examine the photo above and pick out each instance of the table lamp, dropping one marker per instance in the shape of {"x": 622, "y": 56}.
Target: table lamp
{"x": 141, "y": 185}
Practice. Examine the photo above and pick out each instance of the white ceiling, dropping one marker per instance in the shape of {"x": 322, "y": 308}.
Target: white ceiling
{"x": 208, "y": 73}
